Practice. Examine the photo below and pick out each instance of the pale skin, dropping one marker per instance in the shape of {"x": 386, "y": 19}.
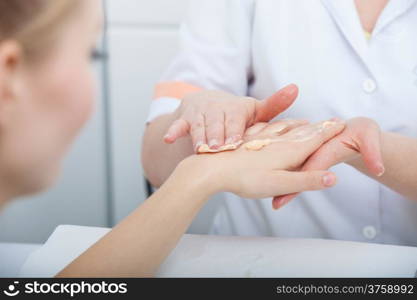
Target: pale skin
{"x": 41, "y": 114}
{"x": 200, "y": 120}
{"x": 215, "y": 119}
{"x": 152, "y": 231}
{"x": 263, "y": 171}
{"x": 369, "y": 12}
{"x": 368, "y": 157}
{"x": 399, "y": 154}
{"x": 139, "y": 244}
{"x": 400, "y": 158}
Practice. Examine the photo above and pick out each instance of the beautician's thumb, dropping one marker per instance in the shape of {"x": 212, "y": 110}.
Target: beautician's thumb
{"x": 269, "y": 108}
{"x": 295, "y": 182}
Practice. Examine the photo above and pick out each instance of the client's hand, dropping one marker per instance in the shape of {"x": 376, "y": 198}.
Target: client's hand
{"x": 360, "y": 140}
{"x": 265, "y": 165}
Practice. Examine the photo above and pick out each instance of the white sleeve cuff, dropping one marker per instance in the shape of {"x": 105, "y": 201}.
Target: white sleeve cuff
{"x": 162, "y": 106}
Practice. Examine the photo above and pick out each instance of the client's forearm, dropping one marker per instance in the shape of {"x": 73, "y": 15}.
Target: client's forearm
{"x": 140, "y": 243}
{"x": 158, "y": 158}
{"x": 400, "y": 159}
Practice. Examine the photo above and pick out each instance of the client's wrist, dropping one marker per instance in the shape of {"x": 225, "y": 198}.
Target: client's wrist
{"x": 200, "y": 174}
{"x": 356, "y": 162}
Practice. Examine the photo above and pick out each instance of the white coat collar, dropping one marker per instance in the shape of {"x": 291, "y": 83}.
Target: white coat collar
{"x": 394, "y": 9}
{"x": 344, "y": 14}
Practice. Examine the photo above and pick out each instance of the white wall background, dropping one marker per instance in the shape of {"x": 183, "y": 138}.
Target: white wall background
{"x": 103, "y": 180}
{"x": 142, "y": 39}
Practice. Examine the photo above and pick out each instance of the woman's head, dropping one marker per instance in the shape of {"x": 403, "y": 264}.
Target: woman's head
{"x": 46, "y": 86}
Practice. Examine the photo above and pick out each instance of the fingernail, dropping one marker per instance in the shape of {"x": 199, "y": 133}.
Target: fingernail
{"x": 229, "y": 140}
{"x": 335, "y": 119}
{"x": 284, "y": 201}
{"x": 167, "y": 136}
{"x": 381, "y": 169}
{"x": 197, "y": 146}
{"x": 328, "y": 180}
{"x": 213, "y": 144}
{"x": 276, "y": 204}
{"x": 233, "y": 140}
{"x": 292, "y": 89}
{"x": 280, "y": 202}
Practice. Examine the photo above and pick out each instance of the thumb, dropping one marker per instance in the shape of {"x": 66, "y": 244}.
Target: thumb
{"x": 323, "y": 159}
{"x": 370, "y": 148}
{"x": 303, "y": 181}
{"x": 295, "y": 182}
{"x": 329, "y": 155}
{"x": 178, "y": 129}
{"x": 269, "y": 108}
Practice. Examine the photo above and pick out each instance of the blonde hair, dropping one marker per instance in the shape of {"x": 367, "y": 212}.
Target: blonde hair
{"x": 33, "y": 23}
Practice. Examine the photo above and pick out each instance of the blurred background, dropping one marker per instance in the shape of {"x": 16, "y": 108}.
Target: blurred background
{"x": 102, "y": 179}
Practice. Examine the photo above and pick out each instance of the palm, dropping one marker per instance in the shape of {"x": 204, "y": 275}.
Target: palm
{"x": 342, "y": 148}
{"x": 361, "y": 138}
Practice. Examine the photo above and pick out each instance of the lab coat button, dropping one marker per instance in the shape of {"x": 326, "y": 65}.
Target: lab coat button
{"x": 369, "y": 232}
{"x": 369, "y": 86}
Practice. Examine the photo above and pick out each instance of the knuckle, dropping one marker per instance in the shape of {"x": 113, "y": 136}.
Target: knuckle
{"x": 214, "y": 135}
{"x": 180, "y": 122}
{"x": 215, "y": 126}
{"x": 233, "y": 124}
{"x": 196, "y": 131}
{"x": 215, "y": 105}
{"x": 249, "y": 100}
{"x": 314, "y": 180}
{"x": 197, "y": 125}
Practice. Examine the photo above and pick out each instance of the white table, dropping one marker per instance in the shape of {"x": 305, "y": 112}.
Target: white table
{"x": 220, "y": 256}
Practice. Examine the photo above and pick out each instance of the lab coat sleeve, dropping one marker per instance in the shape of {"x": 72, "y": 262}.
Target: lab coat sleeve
{"x": 214, "y": 53}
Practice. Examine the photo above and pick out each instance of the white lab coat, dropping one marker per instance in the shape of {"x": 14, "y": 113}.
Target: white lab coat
{"x": 250, "y": 47}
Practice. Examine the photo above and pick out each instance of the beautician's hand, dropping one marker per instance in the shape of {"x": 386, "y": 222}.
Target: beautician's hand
{"x": 218, "y": 118}
{"x": 360, "y": 140}
{"x": 270, "y": 171}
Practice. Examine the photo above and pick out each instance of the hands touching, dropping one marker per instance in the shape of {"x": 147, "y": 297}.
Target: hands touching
{"x": 269, "y": 170}
{"x": 359, "y": 140}
{"x": 216, "y": 118}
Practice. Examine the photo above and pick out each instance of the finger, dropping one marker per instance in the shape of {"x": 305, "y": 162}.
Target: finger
{"x": 269, "y": 108}
{"x": 281, "y": 127}
{"x": 198, "y": 132}
{"x": 280, "y": 201}
{"x": 214, "y": 122}
{"x": 313, "y": 136}
{"x": 370, "y": 148}
{"x": 255, "y": 129}
{"x": 328, "y": 155}
{"x": 322, "y": 159}
{"x": 235, "y": 126}
{"x": 178, "y": 129}
{"x": 295, "y": 182}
